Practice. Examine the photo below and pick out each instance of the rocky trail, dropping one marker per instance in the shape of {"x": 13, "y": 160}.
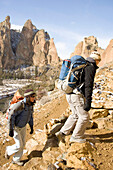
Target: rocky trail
{"x": 44, "y": 152}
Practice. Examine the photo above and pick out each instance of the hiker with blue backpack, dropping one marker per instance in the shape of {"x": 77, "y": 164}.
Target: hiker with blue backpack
{"x": 76, "y": 80}
{"x": 20, "y": 114}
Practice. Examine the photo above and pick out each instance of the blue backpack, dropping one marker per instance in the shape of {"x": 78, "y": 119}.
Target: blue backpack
{"x": 70, "y": 73}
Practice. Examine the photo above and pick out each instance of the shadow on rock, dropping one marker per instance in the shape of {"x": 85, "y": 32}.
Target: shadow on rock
{"x": 99, "y": 138}
{"x": 51, "y": 142}
{"x": 107, "y": 140}
{"x": 106, "y": 135}
{"x": 35, "y": 153}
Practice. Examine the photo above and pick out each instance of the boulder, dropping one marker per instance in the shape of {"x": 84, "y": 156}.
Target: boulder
{"x": 104, "y": 123}
{"x": 30, "y": 144}
{"x": 36, "y": 163}
{"x": 40, "y": 137}
{"x": 77, "y": 152}
{"x": 51, "y": 155}
{"x": 98, "y": 113}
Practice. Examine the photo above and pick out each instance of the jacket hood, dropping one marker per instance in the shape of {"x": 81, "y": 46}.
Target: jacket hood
{"x": 91, "y": 60}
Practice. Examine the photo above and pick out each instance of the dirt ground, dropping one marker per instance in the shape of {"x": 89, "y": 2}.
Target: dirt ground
{"x": 54, "y": 109}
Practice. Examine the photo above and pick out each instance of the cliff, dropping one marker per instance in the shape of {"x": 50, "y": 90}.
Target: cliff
{"x": 32, "y": 46}
{"x": 7, "y": 56}
{"x": 28, "y": 47}
{"x": 86, "y": 46}
{"x": 90, "y": 44}
{"x": 107, "y": 55}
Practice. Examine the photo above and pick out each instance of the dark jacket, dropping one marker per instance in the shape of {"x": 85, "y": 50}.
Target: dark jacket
{"x": 20, "y": 115}
{"x": 88, "y": 79}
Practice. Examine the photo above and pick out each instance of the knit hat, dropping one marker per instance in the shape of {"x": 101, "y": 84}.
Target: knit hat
{"x": 95, "y": 55}
{"x": 28, "y": 92}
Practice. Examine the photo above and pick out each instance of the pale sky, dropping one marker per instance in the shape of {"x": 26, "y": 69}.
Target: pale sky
{"x": 67, "y": 21}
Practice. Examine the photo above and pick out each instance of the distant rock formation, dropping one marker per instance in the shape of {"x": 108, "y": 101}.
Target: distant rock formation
{"x": 6, "y": 54}
{"x": 52, "y": 54}
{"x": 90, "y": 44}
{"x": 35, "y": 47}
{"x": 15, "y": 38}
{"x": 44, "y": 49}
{"x": 24, "y": 51}
{"x": 86, "y": 46}
{"x": 41, "y": 46}
{"x": 26, "y": 48}
{"x": 107, "y": 55}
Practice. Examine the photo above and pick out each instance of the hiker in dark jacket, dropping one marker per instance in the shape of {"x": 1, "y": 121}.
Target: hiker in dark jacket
{"x": 80, "y": 103}
{"x": 88, "y": 79}
{"x": 20, "y": 115}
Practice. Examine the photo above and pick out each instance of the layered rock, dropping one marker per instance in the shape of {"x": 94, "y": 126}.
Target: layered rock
{"x": 86, "y": 46}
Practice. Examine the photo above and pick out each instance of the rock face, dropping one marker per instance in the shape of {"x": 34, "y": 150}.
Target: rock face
{"x": 103, "y": 89}
{"x": 29, "y": 47}
{"x": 44, "y": 49}
{"x": 90, "y": 44}
{"x": 15, "y": 38}
{"x": 41, "y": 47}
{"x": 86, "y": 46}
{"x": 52, "y": 54}
{"x": 6, "y": 54}
{"x": 24, "y": 51}
{"x": 107, "y": 55}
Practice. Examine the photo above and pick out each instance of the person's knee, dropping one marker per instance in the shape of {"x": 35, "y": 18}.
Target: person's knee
{"x": 85, "y": 118}
{"x": 19, "y": 145}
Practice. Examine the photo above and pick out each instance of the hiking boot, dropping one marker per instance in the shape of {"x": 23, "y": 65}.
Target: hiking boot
{"x": 6, "y": 155}
{"x": 60, "y": 136}
{"x": 18, "y": 163}
{"x": 78, "y": 140}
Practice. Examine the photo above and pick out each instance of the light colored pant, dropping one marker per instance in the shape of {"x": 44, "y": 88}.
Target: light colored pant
{"x": 79, "y": 118}
{"x": 20, "y": 140}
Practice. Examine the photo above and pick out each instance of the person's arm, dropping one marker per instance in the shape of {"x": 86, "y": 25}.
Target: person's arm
{"x": 12, "y": 115}
{"x": 89, "y": 80}
{"x": 31, "y": 124}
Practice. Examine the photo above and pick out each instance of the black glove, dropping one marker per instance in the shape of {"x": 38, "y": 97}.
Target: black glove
{"x": 11, "y": 133}
{"x": 87, "y": 106}
{"x": 31, "y": 129}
